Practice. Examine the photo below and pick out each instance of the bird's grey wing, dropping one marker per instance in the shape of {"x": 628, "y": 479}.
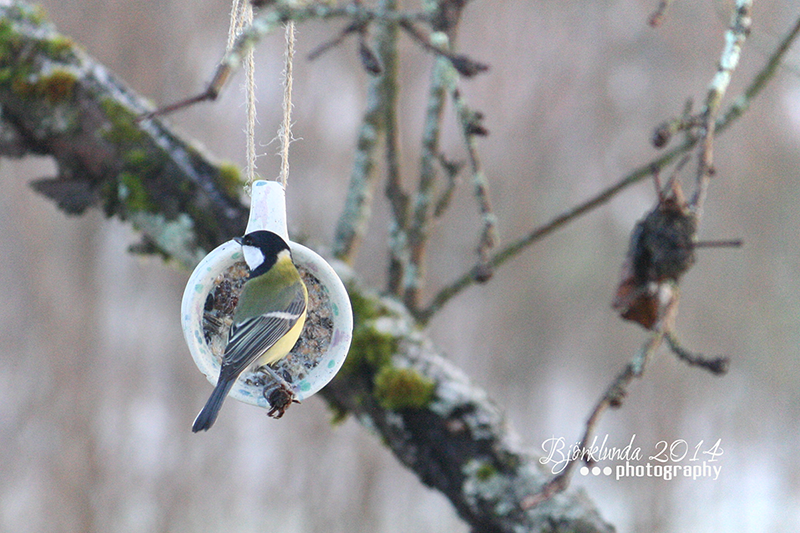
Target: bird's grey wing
{"x": 254, "y": 336}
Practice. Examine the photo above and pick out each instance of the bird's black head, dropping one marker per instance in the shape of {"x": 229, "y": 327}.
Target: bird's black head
{"x": 261, "y": 249}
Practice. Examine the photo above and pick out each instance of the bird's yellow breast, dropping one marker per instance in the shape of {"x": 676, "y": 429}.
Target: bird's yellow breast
{"x": 281, "y": 348}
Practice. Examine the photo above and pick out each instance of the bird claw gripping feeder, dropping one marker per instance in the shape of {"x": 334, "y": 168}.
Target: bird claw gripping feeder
{"x": 210, "y": 299}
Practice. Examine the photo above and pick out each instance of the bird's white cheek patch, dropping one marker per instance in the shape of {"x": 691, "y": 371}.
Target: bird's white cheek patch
{"x": 252, "y": 256}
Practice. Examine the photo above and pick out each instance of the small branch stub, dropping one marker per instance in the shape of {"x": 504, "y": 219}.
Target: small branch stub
{"x": 210, "y": 299}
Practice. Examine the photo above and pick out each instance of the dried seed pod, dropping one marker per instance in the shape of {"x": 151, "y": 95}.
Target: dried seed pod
{"x": 661, "y": 250}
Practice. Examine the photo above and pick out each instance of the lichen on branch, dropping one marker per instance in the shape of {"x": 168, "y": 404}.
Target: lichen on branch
{"x": 57, "y": 101}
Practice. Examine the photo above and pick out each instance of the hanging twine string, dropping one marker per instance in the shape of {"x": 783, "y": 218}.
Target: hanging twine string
{"x": 250, "y": 71}
{"x": 285, "y": 132}
{"x": 242, "y": 16}
{"x": 238, "y": 8}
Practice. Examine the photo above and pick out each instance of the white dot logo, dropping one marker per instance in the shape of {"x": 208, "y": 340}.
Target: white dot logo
{"x": 596, "y": 471}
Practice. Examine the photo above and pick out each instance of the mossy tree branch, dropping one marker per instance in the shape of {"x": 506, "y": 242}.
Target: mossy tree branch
{"x": 443, "y": 427}
{"x": 56, "y": 101}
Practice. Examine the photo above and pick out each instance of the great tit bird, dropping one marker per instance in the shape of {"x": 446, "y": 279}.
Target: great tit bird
{"x": 267, "y": 320}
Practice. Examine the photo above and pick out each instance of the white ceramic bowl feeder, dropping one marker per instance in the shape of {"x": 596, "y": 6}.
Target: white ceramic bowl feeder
{"x": 325, "y": 340}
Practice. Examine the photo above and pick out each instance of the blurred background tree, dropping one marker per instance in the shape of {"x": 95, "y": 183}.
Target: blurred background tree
{"x": 96, "y": 398}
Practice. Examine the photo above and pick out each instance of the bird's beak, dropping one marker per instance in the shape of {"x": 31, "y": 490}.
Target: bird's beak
{"x": 238, "y": 240}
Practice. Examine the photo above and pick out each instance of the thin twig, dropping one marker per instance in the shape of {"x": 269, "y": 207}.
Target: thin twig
{"x": 716, "y": 365}
{"x": 451, "y": 170}
{"x": 441, "y": 82}
{"x": 657, "y": 17}
{"x": 427, "y": 207}
{"x": 742, "y": 103}
{"x": 732, "y": 243}
{"x": 353, "y": 220}
{"x": 263, "y": 25}
{"x": 464, "y": 65}
{"x": 612, "y": 397}
{"x": 353, "y": 27}
{"x": 734, "y": 40}
{"x": 397, "y": 197}
{"x": 470, "y": 129}
{"x": 687, "y": 122}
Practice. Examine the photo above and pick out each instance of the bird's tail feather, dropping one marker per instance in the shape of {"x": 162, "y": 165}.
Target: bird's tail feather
{"x": 210, "y": 411}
